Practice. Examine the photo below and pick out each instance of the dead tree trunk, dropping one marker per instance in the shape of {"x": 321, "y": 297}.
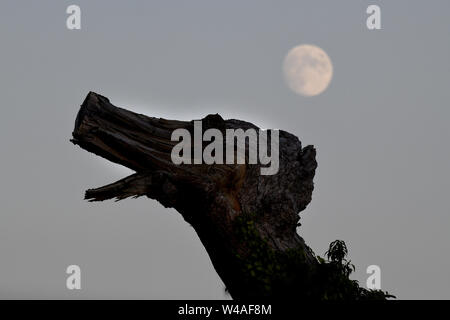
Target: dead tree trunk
{"x": 246, "y": 221}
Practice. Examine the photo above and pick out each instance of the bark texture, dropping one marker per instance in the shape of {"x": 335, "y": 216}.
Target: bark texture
{"x": 246, "y": 221}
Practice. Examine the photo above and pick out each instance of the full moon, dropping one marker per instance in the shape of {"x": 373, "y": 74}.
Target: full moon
{"x": 308, "y": 70}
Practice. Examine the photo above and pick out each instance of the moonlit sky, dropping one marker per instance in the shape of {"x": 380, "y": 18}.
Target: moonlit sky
{"x": 381, "y": 130}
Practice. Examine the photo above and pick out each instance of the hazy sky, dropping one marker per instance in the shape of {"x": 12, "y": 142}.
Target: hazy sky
{"x": 381, "y": 131}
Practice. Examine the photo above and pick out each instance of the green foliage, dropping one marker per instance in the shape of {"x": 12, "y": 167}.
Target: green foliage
{"x": 287, "y": 274}
{"x": 260, "y": 264}
{"x": 333, "y": 276}
{"x": 337, "y": 251}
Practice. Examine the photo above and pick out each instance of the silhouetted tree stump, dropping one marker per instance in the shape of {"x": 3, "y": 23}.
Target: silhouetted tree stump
{"x": 246, "y": 221}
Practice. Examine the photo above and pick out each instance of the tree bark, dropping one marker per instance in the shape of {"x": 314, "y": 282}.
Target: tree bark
{"x": 246, "y": 221}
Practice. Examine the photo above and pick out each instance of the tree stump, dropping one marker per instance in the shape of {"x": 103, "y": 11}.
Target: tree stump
{"x": 246, "y": 221}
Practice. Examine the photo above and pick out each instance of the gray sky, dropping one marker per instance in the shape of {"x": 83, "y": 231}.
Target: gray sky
{"x": 381, "y": 131}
